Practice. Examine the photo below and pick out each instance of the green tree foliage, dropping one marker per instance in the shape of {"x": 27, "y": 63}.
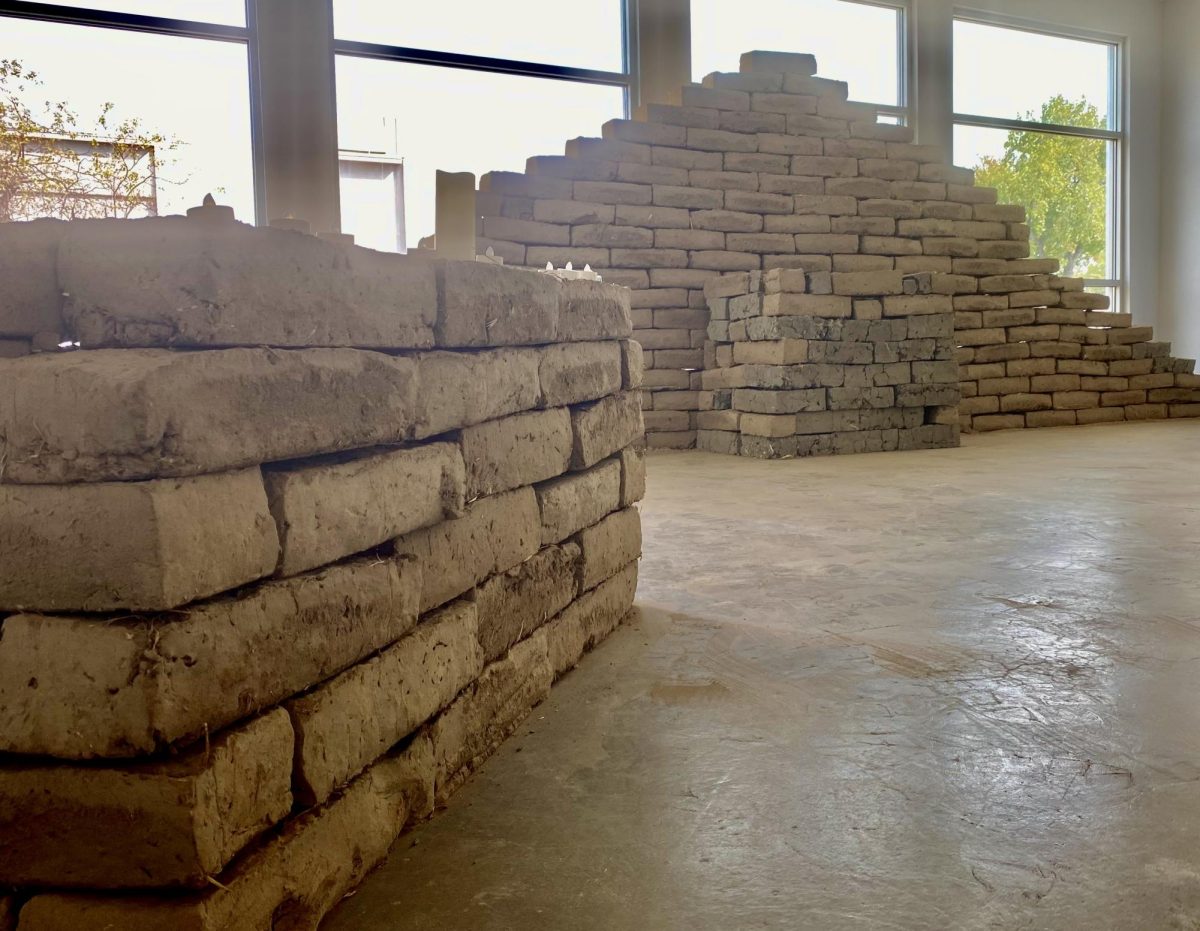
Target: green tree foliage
{"x": 53, "y": 165}
{"x": 1060, "y": 180}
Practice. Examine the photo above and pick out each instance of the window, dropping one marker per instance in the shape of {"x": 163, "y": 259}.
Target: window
{"x": 466, "y": 87}
{"x": 862, "y": 43}
{"x": 122, "y": 123}
{"x": 426, "y": 118}
{"x": 583, "y": 34}
{"x": 225, "y": 12}
{"x": 1048, "y": 139}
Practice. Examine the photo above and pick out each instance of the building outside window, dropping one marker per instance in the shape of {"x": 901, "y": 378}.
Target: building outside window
{"x": 99, "y": 121}
{"x": 862, "y": 43}
{"x": 471, "y": 88}
{"x": 1049, "y": 138}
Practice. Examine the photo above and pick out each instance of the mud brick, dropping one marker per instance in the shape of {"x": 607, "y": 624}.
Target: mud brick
{"x": 771, "y": 352}
{"x": 1055, "y": 349}
{"x": 1040, "y": 366}
{"x": 868, "y": 226}
{"x": 575, "y": 372}
{"x": 1100, "y": 415}
{"x": 790, "y": 63}
{"x": 574, "y": 501}
{"x": 607, "y": 546}
{"x": 1107, "y": 319}
{"x": 890, "y": 245}
{"x": 863, "y": 263}
{"x": 201, "y": 285}
{"x": 163, "y": 823}
{"x": 796, "y": 224}
{"x": 912, "y": 305}
{"x": 1111, "y": 354}
{"x": 863, "y": 188}
{"x": 1051, "y": 418}
{"x": 868, "y": 283}
{"x": 327, "y": 510}
{"x": 603, "y": 427}
{"x": 273, "y": 640}
{"x": 828, "y": 205}
{"x": 755, "y": 202}
{"x": 488, "y": 711}
{"x": 355, "y": 718}
{"x": 988, "y": 404}
{"x": 590, "y": 619}
{"x": 1146, "y": 412}
{"x": 1156, "y": 380}
{"x": 1103, "y": 383}
{"x": 612, "y": 192}
{"x": 1084, "y": 300}
{"x": 513, "y": 604}
{"x": 759, "y": 242}
{"x": 646, "y": 133}
{"x": 129, "y": 414}
{"x": 518, "y": 450}
{"x": 1001, "y": 353}
{"x": 133, "y": 545}
{"x": 1044, "y": 331}
{"x": 980, "y": 302}
{"x": 988, "y": 422}
{"x": 301, "y": 872}
{"x": 858, "y": 398}
{"x": 1022, "y": 402}
{"x": 778, "y": 402}
{"x": 881, "y": 207}
{"x": 1076, "y": 400}
{"x": 633, "y": 476}
{"x": 1129, "y": 335}
{"x": 1121, "y": 398}
{"x": 31, "y": 302}
{"x": 819, "y": 305}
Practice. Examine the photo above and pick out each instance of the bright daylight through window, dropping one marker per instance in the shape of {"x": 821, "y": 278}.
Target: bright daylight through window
{"x": 399, "y": 121}
{"x": 103, "y": 122}
{"x": 1046, "y": 138}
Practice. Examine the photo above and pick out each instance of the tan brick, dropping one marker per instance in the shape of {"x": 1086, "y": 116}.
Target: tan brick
{"x": 590, "y": 619}
{"x": 1051, "y": 418}
{"x": 328, "y": 510}
{"x": 200, "y": 285}
{"x": 300, "y": 873}
{"x": 609, "y": 545}
{"x": 78, "y": 688}
{"x": 572, "y": 502}
{"x": 172, "y": 822}
{"x": 133, "y": 545}
{"x": 513, "y": 604}
{"x": 355, "y": 718}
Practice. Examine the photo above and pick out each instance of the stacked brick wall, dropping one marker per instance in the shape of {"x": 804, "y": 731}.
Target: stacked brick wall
{"x": 773, "y": 167}
{"x": 289, "y": 543}
{"x": 813, "y": 363}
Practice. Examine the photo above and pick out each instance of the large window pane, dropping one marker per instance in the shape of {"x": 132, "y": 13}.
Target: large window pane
{"x": 853, "y": 42}
{"x": 1015, "y": 74}
{"x": 452, "y": 120}
{"x": 222, "y": 12}
{"x": 147, "y": 124}
{"x": 579, "y": 34}
{"x": 1062, "y": 181}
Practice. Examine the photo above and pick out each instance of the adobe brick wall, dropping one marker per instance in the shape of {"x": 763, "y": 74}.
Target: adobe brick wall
{"x": 288, "y": 545}
{"x": 773, "y": 167}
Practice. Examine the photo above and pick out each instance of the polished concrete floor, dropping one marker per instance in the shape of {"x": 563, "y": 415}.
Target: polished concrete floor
{"x": 945, "y": 689}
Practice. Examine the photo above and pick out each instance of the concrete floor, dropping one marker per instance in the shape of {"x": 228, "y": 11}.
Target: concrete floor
{"x": 946, "y": 689}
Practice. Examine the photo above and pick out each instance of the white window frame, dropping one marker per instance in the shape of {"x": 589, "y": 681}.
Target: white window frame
{"x": 1115, "y": 134}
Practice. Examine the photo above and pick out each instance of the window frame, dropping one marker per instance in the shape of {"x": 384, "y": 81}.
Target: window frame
{"x": 624, "y": 79}
{"x": 167, "y": 26}
{"x": 1115, "y": 135}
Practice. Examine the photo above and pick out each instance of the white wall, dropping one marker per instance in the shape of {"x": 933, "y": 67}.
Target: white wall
{"x": 1140, "y": 24}
{"x": 1180, "y": 314}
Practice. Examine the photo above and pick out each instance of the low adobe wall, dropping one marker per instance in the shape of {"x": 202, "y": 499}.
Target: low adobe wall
{"x": 289, "y": 544}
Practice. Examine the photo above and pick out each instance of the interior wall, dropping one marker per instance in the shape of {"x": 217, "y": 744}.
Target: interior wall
{"x": 1141, "y": 25}
{"x": 1180, "y": 270}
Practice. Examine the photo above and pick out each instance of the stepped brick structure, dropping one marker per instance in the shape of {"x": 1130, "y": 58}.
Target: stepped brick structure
{"x": 773, "y": 168}
{"x": 289, "y": 544}
{"x": 811, "y": 363}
